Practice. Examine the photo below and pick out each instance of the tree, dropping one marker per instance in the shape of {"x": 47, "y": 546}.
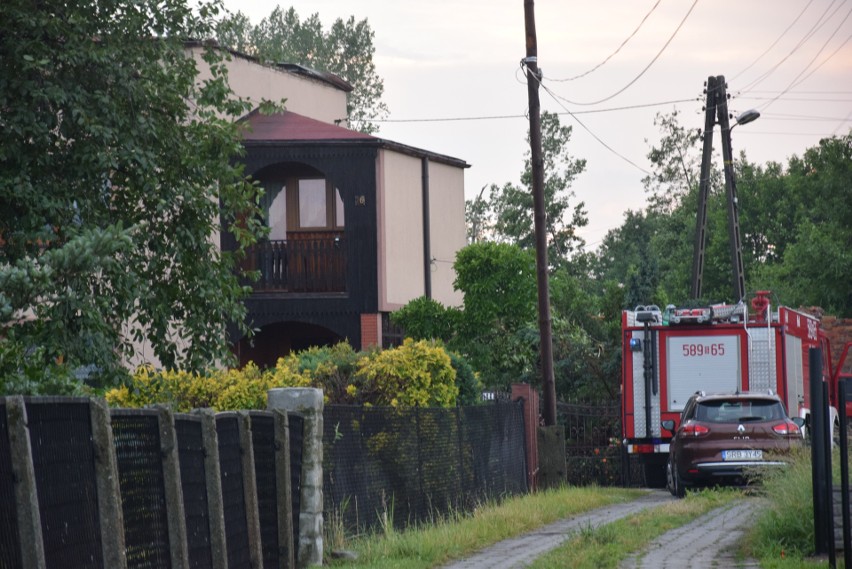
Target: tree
{"x": 117, "y": 167}
{"x": 508, "y": 213}
{"x": 346, "y": 50}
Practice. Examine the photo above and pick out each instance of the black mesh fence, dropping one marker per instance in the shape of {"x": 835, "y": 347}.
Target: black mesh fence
{"x": 136, "y": 434}
{"x": 263, "y": 445}
{"x": 401, "y": 466}
{"x": 194, "y": 487}
{"x": 593, "y": 454}
{"x": 64, "y": 464}
{"x": 10, "y": 553}
{"x": 233, "y": 493}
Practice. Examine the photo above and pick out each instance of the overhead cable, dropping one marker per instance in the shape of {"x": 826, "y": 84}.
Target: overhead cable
{"x": 635, "y": 79}
{"x": 819, "y": 23}
{"x": 610, "y": 56}
{"x": 768, "y": 49}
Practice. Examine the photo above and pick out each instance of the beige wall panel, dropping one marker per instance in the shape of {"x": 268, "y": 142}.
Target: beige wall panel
{"x": 447, "y": 229}
{"x": 308, "y": 97}
{"x": 401, "y": 236}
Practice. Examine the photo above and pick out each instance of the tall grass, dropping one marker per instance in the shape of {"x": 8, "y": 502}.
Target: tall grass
{"x": 783, "y": 535}
{"x": 459, "y": 534}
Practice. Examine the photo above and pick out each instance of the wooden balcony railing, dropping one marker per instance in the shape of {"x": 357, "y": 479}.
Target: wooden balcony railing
{"x": 300, "y": 265}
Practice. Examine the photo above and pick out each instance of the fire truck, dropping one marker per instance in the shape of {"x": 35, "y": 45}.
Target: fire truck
{"x": 670, "y": 354}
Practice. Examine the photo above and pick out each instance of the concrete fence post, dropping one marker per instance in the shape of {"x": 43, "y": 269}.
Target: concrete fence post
{"x": 109, "y": 493}
{"x": 176, "y": 515}
{"x": 308, "y": 403}
{"x": 216, "y": 509}
{"x": 26, "y": 497}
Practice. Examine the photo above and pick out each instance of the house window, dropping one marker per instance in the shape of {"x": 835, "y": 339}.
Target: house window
{"x": 316, "y": 204}
{"x": 313, "y": 211}
{"x": 278, "y": 215}
{"x": 302, "y": 204}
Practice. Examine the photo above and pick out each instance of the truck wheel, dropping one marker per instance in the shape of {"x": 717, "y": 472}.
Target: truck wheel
{"x": 655, "y": 474}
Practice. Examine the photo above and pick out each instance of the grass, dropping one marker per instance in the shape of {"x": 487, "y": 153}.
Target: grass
{"x": 783, "y": 536}
{"x": 606, "y": 546}
{"x": 458, "y": 534}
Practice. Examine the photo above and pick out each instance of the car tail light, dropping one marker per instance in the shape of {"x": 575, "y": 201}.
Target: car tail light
{"x": 786, "y": 428}
{"x": 691, "y": 429}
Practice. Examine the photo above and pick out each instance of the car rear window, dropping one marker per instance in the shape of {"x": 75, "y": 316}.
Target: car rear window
{"x": 739, "y": 410}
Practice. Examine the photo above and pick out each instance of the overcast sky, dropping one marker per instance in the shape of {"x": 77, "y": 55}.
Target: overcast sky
{"x": 459, "y": 59}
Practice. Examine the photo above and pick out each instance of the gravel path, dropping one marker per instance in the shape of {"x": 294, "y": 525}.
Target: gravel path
{"x": 522, "y": 551}
{"x": 709, "y": 541}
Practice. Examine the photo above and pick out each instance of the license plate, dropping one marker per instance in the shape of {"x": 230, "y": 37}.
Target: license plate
{"x": 743, "y": 454}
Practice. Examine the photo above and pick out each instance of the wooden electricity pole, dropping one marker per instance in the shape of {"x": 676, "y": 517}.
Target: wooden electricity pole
{"x": 548, "y": 386}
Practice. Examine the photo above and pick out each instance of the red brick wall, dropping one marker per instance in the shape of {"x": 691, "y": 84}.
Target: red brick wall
{"x": 370, "y": 330}
{"x": 531, "y": 413}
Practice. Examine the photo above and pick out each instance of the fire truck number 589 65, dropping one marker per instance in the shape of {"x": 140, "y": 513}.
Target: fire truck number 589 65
{"x": 698, "y": 350}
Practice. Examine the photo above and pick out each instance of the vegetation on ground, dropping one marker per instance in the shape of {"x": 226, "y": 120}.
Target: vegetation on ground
{"x": 460, "y": 534}
{"x": 606, "y": 546}
{"x": 783, "y": 536}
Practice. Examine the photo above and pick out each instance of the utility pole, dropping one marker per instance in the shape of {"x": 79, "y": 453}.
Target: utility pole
{"x": 548, "y": 385}
{"x": 716, "y": 110}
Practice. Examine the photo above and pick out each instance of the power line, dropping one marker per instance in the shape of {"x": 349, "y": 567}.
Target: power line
{"x": 499, "y": 117}
{"x": 641, "y": 73}
{"x": 796, "y": 80}
{"x": 759, "y": 57}
{"x": 587, "y": 129}
{"x": 630, "y": 37}
{"x": 819, "y": 23}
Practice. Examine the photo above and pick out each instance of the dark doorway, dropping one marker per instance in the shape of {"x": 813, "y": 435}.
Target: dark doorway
{"x": 277, "y": 340}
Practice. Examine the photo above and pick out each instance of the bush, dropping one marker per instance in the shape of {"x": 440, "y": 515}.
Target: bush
{"x": 32, "y": 373}
{"x": 415, "y": 373}
{"x": 222, "y": 390}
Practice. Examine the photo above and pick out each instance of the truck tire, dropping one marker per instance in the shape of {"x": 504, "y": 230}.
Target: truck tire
{"x": 655, "y": 474}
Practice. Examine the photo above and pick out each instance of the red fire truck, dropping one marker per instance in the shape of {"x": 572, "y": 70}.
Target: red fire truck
{"x": 670, "y": 354}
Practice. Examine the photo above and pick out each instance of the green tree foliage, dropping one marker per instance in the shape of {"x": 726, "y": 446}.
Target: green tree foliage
{"x": 507, "y": 215}
{"x": 794, "y": 224}
{"x": 346, "y": 50}
{"x": 116, "y": 165}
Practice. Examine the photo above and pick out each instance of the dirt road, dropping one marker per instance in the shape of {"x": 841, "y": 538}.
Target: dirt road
{"x": 709, "y": 541}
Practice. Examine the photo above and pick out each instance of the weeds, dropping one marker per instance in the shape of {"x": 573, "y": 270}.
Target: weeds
{"x": 457, "y": 534}
{"x": 783, "y": 536}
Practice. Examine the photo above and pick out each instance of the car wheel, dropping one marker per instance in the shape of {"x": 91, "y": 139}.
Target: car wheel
{"x": 674, "y": 482}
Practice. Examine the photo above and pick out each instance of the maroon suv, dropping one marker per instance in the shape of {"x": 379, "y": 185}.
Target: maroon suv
{"x": 722, "y": 436}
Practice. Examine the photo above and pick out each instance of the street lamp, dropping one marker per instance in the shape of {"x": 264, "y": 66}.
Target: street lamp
{"x": 747, "y": 117}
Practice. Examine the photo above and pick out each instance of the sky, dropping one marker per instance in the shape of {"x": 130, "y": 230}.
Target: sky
{"x": 453, "y": 83}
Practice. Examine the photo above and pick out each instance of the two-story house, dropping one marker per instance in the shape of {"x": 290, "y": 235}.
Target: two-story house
{"x": 359, "y": 225}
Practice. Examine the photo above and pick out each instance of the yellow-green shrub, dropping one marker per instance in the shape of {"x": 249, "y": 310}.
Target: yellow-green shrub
{"x": 222, "y": 390}
{"x": 415, "y": 373}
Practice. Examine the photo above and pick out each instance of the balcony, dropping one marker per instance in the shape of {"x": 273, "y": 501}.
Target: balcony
{"x": 304, "y": 263}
